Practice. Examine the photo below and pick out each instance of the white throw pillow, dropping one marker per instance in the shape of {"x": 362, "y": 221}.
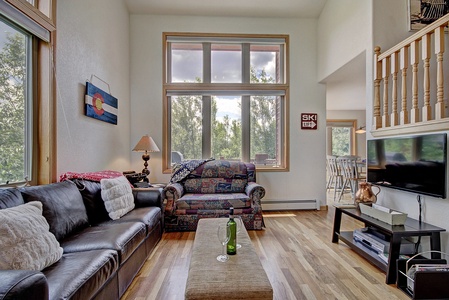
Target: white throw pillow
{"x": 117, "y": 196}
{"x": 25, "y": 240}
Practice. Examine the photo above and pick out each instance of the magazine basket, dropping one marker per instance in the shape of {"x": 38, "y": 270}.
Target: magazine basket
{"x": 424, "y": 284}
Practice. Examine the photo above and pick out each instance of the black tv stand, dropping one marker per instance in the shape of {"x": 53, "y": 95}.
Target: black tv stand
{"x": 411, "y": 227}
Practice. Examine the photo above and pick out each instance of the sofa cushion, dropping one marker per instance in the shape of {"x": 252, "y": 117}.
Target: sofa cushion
{"x": 80, "y": 275}
{"x": 25, "y": 240}
{"x": 217, "y": 176}
{"x": 63, "y": 206}
{"x": 123, "y": 237}
{"x": 220, "y": 169}
{"x": 91, "y": 193}
{"x": 117, "y": 196}
{"x": 10, "y": 198}
{"x": 150, "y": 216}
{"x": 213, "y": 201}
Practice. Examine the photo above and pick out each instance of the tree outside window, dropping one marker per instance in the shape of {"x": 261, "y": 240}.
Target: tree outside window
{"x": 13, "y": 83}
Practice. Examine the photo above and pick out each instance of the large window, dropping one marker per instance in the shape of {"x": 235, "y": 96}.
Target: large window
{"x": 226, "y": 97}
{"x": 15, "y": 104}
{"x": 27, "y": 119}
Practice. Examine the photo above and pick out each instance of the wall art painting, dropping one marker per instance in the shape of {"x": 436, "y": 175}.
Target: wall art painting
{"x": 424, "y": 12}
{"x": 100, "y": 105}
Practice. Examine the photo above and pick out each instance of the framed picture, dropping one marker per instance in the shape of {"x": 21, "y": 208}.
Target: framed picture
{"x": 100, "y": 105}
{"x": 424, "y": 12}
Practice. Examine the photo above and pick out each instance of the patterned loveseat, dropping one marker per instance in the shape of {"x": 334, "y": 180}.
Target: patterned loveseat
{"x": 207, "y": 189}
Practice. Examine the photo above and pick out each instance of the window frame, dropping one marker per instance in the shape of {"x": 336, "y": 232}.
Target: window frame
{"x": 347, "y": 123}
{"x": 39, "y": 19}
{"x": 208, "y": 87}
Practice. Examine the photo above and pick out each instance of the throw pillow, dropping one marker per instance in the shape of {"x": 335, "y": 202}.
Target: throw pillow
{"x": 91, "y": 192}
{"x": 117, "y": 196}
{"x": 63, "y": 206}
{"x": 25, "y": 240}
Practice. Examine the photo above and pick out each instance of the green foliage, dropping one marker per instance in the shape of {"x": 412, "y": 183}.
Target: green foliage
{"x": 340, "y": 141}
{"x": 226, "y": 135}
{"x": 263, "y": 119}
{"x": 12, "y": 108}
{"x": 186, "y": 131}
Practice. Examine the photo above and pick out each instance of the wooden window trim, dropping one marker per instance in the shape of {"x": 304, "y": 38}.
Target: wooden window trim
{"x": 167, "y": 85}
{"x": 44, "y": 126}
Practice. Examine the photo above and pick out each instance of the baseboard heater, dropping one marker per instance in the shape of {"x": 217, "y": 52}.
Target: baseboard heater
{"x": 289, "y": 204}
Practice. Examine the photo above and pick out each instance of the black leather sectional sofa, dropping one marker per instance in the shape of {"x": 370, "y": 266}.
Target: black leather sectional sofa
{"x": 101, "y": 257}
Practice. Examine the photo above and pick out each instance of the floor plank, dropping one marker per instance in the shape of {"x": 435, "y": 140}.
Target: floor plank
{"x": 296, "y": 252}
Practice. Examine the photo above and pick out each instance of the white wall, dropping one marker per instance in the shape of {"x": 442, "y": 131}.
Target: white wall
{"x": 390, "y": 27}
{"x": 306, "y": 178}
{"x": 343, "y": 33}
{"x": 92, "y": 38}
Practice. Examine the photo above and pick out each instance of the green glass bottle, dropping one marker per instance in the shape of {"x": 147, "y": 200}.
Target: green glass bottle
{"x": 232, "y": 244}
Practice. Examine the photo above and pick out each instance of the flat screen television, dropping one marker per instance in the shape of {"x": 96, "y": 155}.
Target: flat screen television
{"x": 412, "y": 163}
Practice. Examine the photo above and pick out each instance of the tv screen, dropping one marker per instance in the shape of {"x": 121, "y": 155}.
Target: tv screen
{"x": 412, "y": 163}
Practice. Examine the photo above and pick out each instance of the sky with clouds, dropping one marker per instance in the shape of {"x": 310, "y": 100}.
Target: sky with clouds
{"x": 226, "y": 68}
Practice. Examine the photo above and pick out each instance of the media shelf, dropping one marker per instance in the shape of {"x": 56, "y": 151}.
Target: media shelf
{"x": 348, "y": 238}
{"x": 411, "y": 227}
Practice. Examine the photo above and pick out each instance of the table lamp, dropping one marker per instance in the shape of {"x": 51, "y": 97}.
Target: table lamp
{"x": 146, "y": 144}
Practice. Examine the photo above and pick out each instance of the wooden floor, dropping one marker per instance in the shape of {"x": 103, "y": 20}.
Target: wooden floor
{"x": 296, "y": 252}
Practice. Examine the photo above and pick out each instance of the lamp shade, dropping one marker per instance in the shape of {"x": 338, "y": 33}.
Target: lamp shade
{"x": 146, "y": 143}
{"x": 361, "y": 130}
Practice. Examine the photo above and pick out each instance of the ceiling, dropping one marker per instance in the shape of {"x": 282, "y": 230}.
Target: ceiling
{"x": 229, "y": 8}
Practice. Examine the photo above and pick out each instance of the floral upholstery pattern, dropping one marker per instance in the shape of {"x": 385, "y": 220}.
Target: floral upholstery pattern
{"x": 209, "y": 190}
{"x": 215, "y": 185}
{"x": 213, "y": 201}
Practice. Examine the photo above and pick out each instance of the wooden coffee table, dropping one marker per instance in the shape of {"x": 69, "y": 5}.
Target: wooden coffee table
{"x": 241, "y": 277}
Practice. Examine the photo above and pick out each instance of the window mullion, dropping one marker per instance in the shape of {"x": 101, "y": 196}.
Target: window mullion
{"x": 207, "y": 68}
{"x": 169, "y": 64}
{"x": 246, "y": 62}
{"x": 246, "y": 104}
{"x": 207, "y": 103}
{"x": 246, "y": 128}
{"x": 207, "y": 127}
{"x": 279, "y": 65}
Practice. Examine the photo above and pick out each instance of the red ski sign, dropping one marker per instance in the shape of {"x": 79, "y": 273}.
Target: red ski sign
{"x": 309, "y": 121}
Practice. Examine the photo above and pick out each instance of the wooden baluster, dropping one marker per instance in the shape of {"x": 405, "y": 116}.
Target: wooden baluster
{"x": 404, "y": 65}
{"x": 426, "y": 46}
{"x": 414, "y": 53}
{"x": 439, "y": 51}
{"x": 377, "y": 120}
{"x": 394, "y": 119}
{"x": 385, "y": 75}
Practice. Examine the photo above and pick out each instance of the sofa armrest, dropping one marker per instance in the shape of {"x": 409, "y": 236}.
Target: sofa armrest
{"x": 23, "y": 284}
{"x": 145, "y": 197}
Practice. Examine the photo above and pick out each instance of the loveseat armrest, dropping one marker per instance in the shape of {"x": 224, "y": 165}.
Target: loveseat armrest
{"x": 173, "y": 191}
{"x": 255, "y": 192}
{"x": 23, "y": 284}
{"x": 146, "y": 197}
